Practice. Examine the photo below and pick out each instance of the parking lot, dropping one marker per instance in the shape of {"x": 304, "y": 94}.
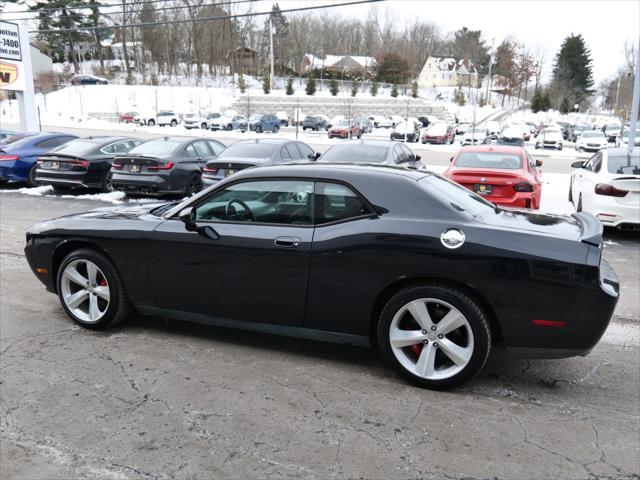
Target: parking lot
{"x": 163, "y": 399}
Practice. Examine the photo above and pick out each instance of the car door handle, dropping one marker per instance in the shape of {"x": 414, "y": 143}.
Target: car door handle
{"x": 286, "y": 242}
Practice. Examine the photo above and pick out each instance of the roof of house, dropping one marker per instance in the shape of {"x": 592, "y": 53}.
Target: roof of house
{"x": 331, "y": 60}
{"x": 449, "y": 64}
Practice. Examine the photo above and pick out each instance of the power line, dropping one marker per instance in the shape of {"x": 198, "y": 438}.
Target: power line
{"x": 132, "y": 4}
{"x": 203, "y": 19}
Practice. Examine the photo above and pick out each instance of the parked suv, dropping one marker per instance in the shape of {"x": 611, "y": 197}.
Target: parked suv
{"x": 163, "y": 118}
{"x": 259, "y": 122}
{"x": 315, "y": 123}
{"x": 227, "y": 121}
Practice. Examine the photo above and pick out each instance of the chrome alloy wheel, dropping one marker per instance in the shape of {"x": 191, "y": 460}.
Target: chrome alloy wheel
{"x": 432, "y": 339}
{"x": 85, "y": 290}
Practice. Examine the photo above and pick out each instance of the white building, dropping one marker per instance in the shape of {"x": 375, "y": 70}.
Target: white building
{"x": 447, "y": 72}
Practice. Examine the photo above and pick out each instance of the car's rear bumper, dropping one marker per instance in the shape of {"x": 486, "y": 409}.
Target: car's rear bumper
{"x": 10, "y": 171}
{"x": 149, "y": 184}
{"x": 64, "y": 178}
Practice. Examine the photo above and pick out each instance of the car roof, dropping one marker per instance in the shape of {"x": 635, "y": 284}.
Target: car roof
{"x": 493, "y": 148}
{"x": 268, "y": 141}
{"x": 330, "y": 170}
{"x": 177, "y": 139}
{"x": 104, "y": 139}
{"x": 375, "y": 143}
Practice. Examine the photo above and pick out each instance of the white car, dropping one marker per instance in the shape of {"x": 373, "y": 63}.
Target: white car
{"x": 476, "y": 136}
{"x": 494, "y": 129}
{"x": 376, "y": 120}
{"x": 608, "y": 186}
{"x": 391, "y": 121}
{"x": 591, "y": 141}
{"x": 283, "y": 117}
{"x": 549, "y": 139}
{"x": 229, "y": 120}
{"x": 623, "y": 140}
{"x": 163, "y": 118}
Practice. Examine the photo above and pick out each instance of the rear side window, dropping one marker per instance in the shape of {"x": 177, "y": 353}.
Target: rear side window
{"x": 624, "y": 164}
{"x": 118, "y": 147}
{"x": 217, "y": 147}
{"x": 284, "y": 153}
{"x": 335, "y": 202}
{"x": 53, "y": 142}
{"x": 305, "y": 151}
{"x": 190, "y": 151}
{"x": 202, "y": 149}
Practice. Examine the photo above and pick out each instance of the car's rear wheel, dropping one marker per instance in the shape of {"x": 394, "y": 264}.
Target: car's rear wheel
{"x": 31, "y": 179}
{"x": 151, "y": 123}
{"x": 258, "y": 129}
{"x": 203, "y": 126}
{"x": 91, "y": 290}
{"x": 229, "y": 127}
{"x": 434, "y": 336}
{"x": 193, "y": 186}
{"x": 173, "y": 123}
{"x": 275, "y": 129}
{"x": 107, "y": 185}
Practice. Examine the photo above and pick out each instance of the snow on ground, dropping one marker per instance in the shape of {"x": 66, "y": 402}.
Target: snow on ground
{"x": 33, "y": 191}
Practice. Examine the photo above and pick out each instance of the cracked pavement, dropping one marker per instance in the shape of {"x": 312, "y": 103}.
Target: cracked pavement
{"x": 153, "y": 399}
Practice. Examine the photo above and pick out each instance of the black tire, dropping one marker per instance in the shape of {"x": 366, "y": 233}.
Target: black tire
{"x": 151, "y": 123}
{"x": 107, "y": 186}
{"x": 559, "y": 147}
{"x": 193, "y": 186}
{"x": 229, "y": 127}
{"x": 474, "y": 314}
{"x": 304, "y": 129}
{"x": 119, "y": 306}
{"x": 203, "y": 126}
{"x": 258, "y": 129}
{"x": 275, "y": 129}
{"x": 173, "y": 123}
{"x": 31, "y": 180}
{"x": 570, "y": 194}
{"x": 579, "y": 206}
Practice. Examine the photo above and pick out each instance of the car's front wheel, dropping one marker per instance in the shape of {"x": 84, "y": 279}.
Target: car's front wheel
{"x": 151, "y": 123}
{"x": 91, "y": 290}
{"x": 173, "y": 123}
{"x": 434, "y": 336}
{"x": 203, "y": 126}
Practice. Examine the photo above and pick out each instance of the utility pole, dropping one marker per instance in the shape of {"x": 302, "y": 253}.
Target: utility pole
{"x": 486, "y": 95}
{"x": 634, "y": 107}
{"x": 615, "y": 108}
{"x": 271, "y": 45}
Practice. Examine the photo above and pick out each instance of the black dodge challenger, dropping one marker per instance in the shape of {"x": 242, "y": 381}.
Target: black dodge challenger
{"x": 404, "y": 260}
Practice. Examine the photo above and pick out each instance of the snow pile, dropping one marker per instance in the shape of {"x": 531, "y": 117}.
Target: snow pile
{"x": 33, "y": 191}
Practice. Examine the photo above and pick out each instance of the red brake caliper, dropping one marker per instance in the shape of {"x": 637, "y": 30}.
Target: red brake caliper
{"x": 103, "y": 282}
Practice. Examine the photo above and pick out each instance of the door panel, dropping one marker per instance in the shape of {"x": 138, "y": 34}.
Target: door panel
{"x": 241, "y": 275}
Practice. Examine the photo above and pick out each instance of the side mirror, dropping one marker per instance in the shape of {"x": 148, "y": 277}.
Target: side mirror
{"x": 418, "y": 158}
{"x": 538, "y": 163}
{"x": 451, "y": 159}
{"x": 188, "y": 217}
{"x": 577, "y": 165}
{"x": 314, "y": 156}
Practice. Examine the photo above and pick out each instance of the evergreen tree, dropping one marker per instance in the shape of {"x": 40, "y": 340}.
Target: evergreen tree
{"x": 537, "y": 102}
{"x": 289, "y": 89}
{"x": 310, "y": 89}
{"x": 469, "y": 44}
{"x": 355, "y": 86}
{"x": 242, "y": 84}
{"x": 266, "y": 83}
{"x": 414, "y": 89}
{"x": 333, "y": 86}
{"x": 280, "y": 34}
{"x": 394, "y": 90}
{"x": 546, "y": 101}
{"x": 573, "y": 70}
{"x": 374, "y": 88}
{"x": 564, "y": 105}
{"x": 458, "y": 96}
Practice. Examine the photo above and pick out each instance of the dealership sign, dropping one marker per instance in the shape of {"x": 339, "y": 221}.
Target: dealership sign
{"x": 11, "y": 62}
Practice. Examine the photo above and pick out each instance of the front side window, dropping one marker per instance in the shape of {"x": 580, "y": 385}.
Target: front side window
{"x": 285, "y": 202}
{"x": 335, "y": 202}
{"x": 305, "y": 151}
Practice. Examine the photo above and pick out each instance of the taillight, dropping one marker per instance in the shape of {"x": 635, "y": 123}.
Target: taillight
{"x": 116, "y": 165}
{"x": 523, "y": 187}
{"x": 609, "y": 190}
{"x": 9, "y": 158}
{"x": 210, "y": 170}
{"x": 81, "y": 163}
{"x": 161, "y": 166}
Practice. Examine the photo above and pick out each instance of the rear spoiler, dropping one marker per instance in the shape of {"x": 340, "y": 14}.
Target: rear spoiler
{"x": 591, "y": 228}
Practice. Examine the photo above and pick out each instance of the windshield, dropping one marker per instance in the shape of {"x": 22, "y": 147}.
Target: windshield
{"x": 593, "y": 135}
{"x": 155, "y": 147}
{"x": 511, "y": 133}
{"x": 249, "y": 150}
{"x": 508, "y": 161}
{"x": 343, "y": 123}
{"x": 477, "y": 131}
{"x": 456, "y": 196}
{"x": 437, "y": 129}
{"x": 624, "y": 164}
{"x": 255, "y": 117}
{"x": 76, "y": 147}
{"x": 356, "y": 153}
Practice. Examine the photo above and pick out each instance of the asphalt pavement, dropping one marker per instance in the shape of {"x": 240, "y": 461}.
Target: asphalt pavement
{"x": 164, "y": 399}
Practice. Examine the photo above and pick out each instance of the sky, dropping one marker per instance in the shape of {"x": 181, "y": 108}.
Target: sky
{"x": 605, "y": 24}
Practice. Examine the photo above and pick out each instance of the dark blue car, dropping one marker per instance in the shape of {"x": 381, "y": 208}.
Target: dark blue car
{"x": 18, "y": 158}
{"x": 259, "y": 122}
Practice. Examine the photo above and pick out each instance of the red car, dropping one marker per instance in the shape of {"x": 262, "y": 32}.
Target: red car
{"x": 341, "y": 130}
{"x": 439, "y": 133}
{"x": 505, "y": 175}
{"x": 128, "y": 117}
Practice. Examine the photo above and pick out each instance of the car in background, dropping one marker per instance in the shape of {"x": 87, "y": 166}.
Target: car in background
{"x": 401, "y": 260}
{"x": 391, "y": 121}
{"x": 208, "y": 119}
{"x": 461, "y": 127}
{"x": 576, "y": 130}
{"x": 18, "y": 158}
{"x": 476, "y": 136}
{"x": 564, "y": 128}
{"x": 82, "y": 163}
{"x": 164, "y": 166}
{"x": 364, "y": 123}
{"x": 427, "y": 120}
{"x": 591, "y": 141}
{"x": 261, "y": 122}
{"x": 533, "y": 128}
{"x": 251, "y": 153}
{"x": 439, "y": 133}
{"x": 504, "y": 175}
{"x": 343, "y": 129}
{"x": 335, "y": 119}
{"x": 611, "y": 131}
{"x": 315, "y": 122}
{"x": 622, "y": 141}
{"x": 15, "y": 137}
{"x": 197, "y": 120}
{"x": 608, "y": 186}
{"x": 162, "y": 118}
{"x": 511, "y": 136}
{"x": 128, "y": 117}
{"x": 494, "y": 129}
{"x": 283, "y": 117}
{"x": 409, "y": 130}
{"x": 372, "y": 152}
{"x": 549, "y": 139}
{"x": 524, "y": 130}
{"x": 376, "y": 120}
{"x": 229, "y": 121}
{"x": 7, "y": 133}
{"x": 85, "y": 79}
